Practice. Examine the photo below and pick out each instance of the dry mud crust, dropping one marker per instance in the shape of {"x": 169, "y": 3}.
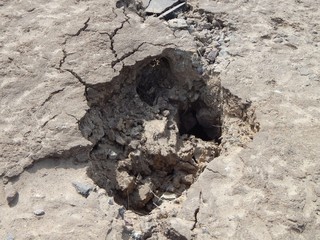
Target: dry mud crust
{"x": 157, "y": 124}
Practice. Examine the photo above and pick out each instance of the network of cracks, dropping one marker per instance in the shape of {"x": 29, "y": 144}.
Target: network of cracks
{"x": 157, "y": 125}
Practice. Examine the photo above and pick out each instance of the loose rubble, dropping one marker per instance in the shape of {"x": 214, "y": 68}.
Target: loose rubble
{"x": 160, "y": 129}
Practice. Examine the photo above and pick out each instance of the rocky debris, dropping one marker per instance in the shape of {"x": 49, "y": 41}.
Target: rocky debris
{"x": 160, "y": 129}
{"x": 178, "y": 23}
{"x": 159, "y": 6}
{"x": 180, "y": 228}
{"x": 212, "y": 55}
{"x": 11, "y": 194}
{"x": 83, "y": 188}
{"x": 39, "y": 212}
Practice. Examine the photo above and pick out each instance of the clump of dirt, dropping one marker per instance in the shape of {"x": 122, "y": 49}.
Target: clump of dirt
{"x": 157, "y": 125}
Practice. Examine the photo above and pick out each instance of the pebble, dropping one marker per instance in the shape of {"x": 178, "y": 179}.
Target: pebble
{"x": 101, "y": 192}
{"x": 83, "y": 189}
{"x": 304, "y": 71}
{"x": 278, "y": 40}
{"x": 137, "y": 235}
{"x": 121, "y": 212}
{"x": 166, "y": 113}
{"x": 226, "y": 39}
{"x": 113, "y": 155}
{"x": 212, "y": 55}
{"x": 178, "y": 23}
{"x": 39, "y": 212}
{"x": 11, "y": 194}
{"x": 134, "y": 144}
{"x": 169, "y": 196}
{"x": 120, "y": 140}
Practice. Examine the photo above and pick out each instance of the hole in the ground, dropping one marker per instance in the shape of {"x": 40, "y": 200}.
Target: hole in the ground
{"x": 201, "y": 123}
{"x": 157, "y": 125}
{"x": 152, "y": 78}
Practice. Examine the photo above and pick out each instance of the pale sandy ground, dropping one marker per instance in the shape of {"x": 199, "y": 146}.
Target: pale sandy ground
{"x": 267, "y": 190}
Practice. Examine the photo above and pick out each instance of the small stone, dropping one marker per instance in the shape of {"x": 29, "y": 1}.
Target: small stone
{"x": 304, "y": 71}
{"x": 120, "y": 140}
{"x": 137, "y": 235}
{"x": 113, "y": 155}
{"x": 212, "y": 55}
{"x": 134, "y": 144}
{"x": 83, "y": 189}
{"x": 169, "y": 196}
{"x": 181, "y": 227}
{"x": 178, "y": 23}
{"x": 166, "y": 113}
{"x": 226, "y": 39}
{"x": 39, "y": 212}
{"x": 121, "y": 212}
{"x": 187, "y": 179}
{"x": 278, "y": 40}
{"x": 101, "y": 192}
{"x": 11, "y": 194}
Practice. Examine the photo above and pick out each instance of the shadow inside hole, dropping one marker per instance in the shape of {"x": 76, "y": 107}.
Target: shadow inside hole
{"x": 153, "y": 78}
{"x": 191, "y": 124}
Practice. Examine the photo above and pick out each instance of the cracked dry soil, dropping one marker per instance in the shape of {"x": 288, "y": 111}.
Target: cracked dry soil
{"x": 156, "y": 126}
{"x": 151, "y": 106}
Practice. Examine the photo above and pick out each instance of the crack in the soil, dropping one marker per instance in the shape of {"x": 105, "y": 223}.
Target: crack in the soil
{"x": 46, "y": 122}
{"x": 81, "y": 29}
{"x": 77, "y": 77}
{"x": 215, "y": 172}
{"x": 73, "y": 117}
{"x": 63, "y": 59}
{"x": 114, "y": 12}
{"x": 133, "y": 51}
{"x": 51, "y": 95}
{"x": 195, "y": 218}
{"x": 196, "y": 212}
{"x": 115, "y": 31}
{"x": 126, "y": 55}
{"x": 149, "y": 1}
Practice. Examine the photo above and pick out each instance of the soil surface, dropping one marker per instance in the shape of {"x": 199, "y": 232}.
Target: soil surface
{"x": 123, "y": 121}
